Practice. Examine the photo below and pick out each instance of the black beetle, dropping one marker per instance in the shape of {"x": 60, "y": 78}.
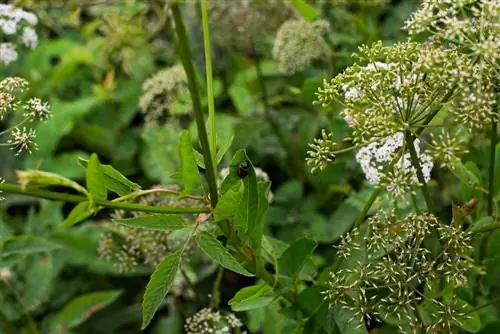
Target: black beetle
{"x": 243, "y": 168}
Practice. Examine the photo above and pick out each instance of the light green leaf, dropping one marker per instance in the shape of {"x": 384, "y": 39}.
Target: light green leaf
{"x": 307, "y": 11}
{"x": 82, "y": 308}
{"x": 229, "y": 202}
{"x": 117, "y": 182}
{"x": 159, "y": 222}
{"x": 224, "y": 146}
{"x": 95, "y": 179}
{"x": 39, "y": 281}
{"x": 295, "y": 256}
{"x": 158, "y": 286}
{"x": 251, "y": 297}
{"x": 45, "y": 179}
{"x": 79, "y": 213}
{"x": 189, "y": 171}
{"x": 26, "y": 244}
{"x": 214, "y": 249}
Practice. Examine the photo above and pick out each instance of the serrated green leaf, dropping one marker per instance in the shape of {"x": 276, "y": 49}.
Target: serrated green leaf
{"x": 158, "y": 286}
{"x": 82, "y": 308}
{"x": 26, "y": 245}
{"x": 251, "y": 297}
{"x": 229, "y": 202}
{"x": 159, "y": 222}
{"x": 95, "y": 179}
{"x": 79, "y": 213}
{"x": 189, "y": 171}
{"x": 214, "y": 249}
{"x": 45, "y": 179}
{"x": 295, "y": 256}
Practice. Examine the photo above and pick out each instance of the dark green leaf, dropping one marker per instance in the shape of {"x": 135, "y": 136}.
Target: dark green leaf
{"x": 158, "y": 286}
{"x": 95, "y": 179}
{"x": 295, "y": 256}
{"x": 159, "y": 222}
{"x": 117, "y": 182}
{"x": 82, "y": 308}
{"x": 483, "y": 224}
{"x": 214, "y": 249}
{"x": 348, "y": 322}
{"x": 189, "y": 171}
{"x": 258, "y": 233}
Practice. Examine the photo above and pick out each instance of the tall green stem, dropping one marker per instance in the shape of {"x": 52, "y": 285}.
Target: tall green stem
{"x": 184, "y": 50}
{"x": 210, "y": 91}
{"x": 491, "y": 172}
{"x": 47, "y": 194}
{"x": 416, "y": 164}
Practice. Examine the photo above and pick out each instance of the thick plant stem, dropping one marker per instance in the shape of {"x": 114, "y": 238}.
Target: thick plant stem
{"x": 491, "y": 171}
{"x": 47, "y": 194}
{"x": 416, "y": 164}
{"x": 210, "y": 91}
{"x": 183, "y": 47}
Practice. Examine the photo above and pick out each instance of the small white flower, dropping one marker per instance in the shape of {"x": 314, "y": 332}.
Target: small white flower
{"x": 22, "y": 140}
{"x": 37, "y": 109}
{"x": 8, "y": 53}
{"x": 29, "y": 37}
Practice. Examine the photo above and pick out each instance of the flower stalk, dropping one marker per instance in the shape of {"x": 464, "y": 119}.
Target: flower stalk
{"x": 418, "y": 168}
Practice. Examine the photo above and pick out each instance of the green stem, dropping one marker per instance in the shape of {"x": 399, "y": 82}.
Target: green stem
{"x": 210, "y": 92}
{"x": 47, "y": 194}
{"x": 184, "y": 50}
{"x": 491, "y": 177}
{"x": 215, "y": 290}
{"x": 366, "y": 208}
{"x": 418, "y": 168}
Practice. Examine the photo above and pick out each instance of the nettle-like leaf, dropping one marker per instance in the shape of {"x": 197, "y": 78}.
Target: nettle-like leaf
{"x": 82, "y": 308}
{"x": 157, "y": 222}
{"x": 189, "y": 170}
{"x": 251, "y": 297}
{"x": 95, "y": 179}
{"x": 214, "y": 249}
{"x": 158, "y": 285}
{"x": 295, "y": 256}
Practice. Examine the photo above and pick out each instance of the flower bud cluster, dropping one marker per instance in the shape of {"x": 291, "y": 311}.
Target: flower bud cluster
{"x": 322, "y": 152}
{"x": 298, "y": 43}
{"x": 211, "y": 321}
{"x": 21, "y": 137}
{"x": 18, "y": 24}
{"x": 165, "y": 93}
{"x": 389, "y": 280}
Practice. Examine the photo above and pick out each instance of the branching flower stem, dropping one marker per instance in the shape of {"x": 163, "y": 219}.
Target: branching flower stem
{"x": 418, "y": 168}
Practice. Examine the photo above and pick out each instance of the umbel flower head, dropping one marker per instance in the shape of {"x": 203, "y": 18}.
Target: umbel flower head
{"x": 16, "y": 23}
{"x": 472, "y": 24}
{"x": 211, "y": 321}
{"x": 165, "y": 93}
{"x": 21, "y": 137}
{"x": 396, "y": 271}
{"x": 298, "y": 43}
{"x": 244, "y": 25}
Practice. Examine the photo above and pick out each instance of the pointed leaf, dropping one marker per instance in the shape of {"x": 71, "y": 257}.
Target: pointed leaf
{"x": 224, "y": 147}
{"x": 229, "y": 202}
{"x": 26, "y": 245}
{"x": 160, "y": 222}
{"x": 95, "y": 179}
{"x": 117, "y": 182}
{"x": 295, "y": 256}
{"x": 251, "y": 297}
{"x": 79, "y": 213}
{"x": 214, "y": 249}
{"x": 261, "y": 215}
{"x": 158, "y": 286}
{"x": 189, "y": 171}
{"x": 82, "y": 308}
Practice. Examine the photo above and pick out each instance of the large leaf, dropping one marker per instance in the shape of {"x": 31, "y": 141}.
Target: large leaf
{"x": 251, "y": 297}
{"x": 26, "y": 245}
{"x": 82, "y": 308}
{"x": 95, "y": 179}
{"x": 214, "y": 249}
{"x": 229, "y": 202}
{"x": 158, "y": 286}
{"x": 189, "y": 171}
{"x": 295, "y": 256}
{"x": 160, "y": 222}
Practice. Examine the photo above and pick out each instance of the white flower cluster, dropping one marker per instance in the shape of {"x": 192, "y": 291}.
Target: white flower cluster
{"x": 375, "y": 156}
{"x": 210, "y": 321}
{"x": 12, "y": 21}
